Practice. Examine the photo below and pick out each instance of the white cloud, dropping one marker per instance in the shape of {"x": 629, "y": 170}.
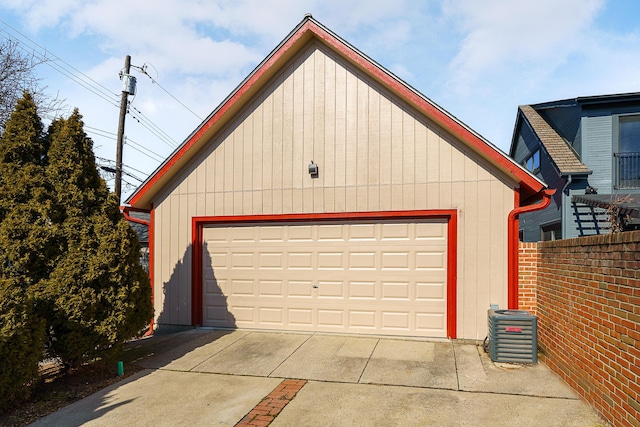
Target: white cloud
{"x": 500, "y": 35}
{"x": 478, "y": 59}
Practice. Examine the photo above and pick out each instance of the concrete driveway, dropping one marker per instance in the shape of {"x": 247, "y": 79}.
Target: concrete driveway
{"x": 204, "y": 377}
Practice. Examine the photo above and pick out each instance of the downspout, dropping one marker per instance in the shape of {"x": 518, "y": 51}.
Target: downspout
{"x": 564, "y": 207}
{"x": 512, "y": 237}
{"x": 125, "y": 211}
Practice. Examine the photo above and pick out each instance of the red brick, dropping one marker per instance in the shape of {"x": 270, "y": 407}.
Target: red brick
{"x": 587, "y": 295}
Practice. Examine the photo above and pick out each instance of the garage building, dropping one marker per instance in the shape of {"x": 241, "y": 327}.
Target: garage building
{"x": 325, "y": 194}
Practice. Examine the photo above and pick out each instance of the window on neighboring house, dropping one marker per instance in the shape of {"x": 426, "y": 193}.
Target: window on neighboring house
{"x": 551, "y": 231}
{"x": 628, "y": 156}
{"x": 532, "y": 163}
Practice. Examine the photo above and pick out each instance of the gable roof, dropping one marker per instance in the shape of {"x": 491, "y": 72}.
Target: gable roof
{"x": 563, "y": 156}
{"x": 309, "y": 29}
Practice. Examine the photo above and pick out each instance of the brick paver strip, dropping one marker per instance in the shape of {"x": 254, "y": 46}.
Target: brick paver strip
{"x": 269, "y": 408}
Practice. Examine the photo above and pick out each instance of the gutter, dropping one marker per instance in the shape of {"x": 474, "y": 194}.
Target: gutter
{"x": 512, "y": 246}
{"x": 126, "y": 212}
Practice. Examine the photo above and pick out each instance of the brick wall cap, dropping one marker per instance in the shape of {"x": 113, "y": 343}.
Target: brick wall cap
{"x": 602, "y": 239}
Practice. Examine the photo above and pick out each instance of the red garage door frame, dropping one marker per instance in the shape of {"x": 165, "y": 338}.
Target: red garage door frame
{"x": 198, "y": 223}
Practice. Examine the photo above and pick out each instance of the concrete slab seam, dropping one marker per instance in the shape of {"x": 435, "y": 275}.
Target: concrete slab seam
{"x": 455, "y": 364}
{"x": 270, "y": 406}
{"x": 368, "y": 360}
{"x": 289, "y": 356}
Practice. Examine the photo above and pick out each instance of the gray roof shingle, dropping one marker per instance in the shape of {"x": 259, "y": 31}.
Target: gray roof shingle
{"x": 564, "y": 157}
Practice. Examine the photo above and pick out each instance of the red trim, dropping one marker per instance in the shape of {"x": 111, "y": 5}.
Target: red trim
{"x": 152, "y": 251}
{"x": 198, "y": 223}
{"x": 452, "y": 276}
{"x": 125, "y": 211}
{"x": 230, "y": 102}
{"x": 136, "y": 220}
{"x": 197, "y": 243}
{"x": 126, "y": 208}
{"x": 512, "y": 245}
{"x": 431, "y": 110}
{"x": 435, "y": 113}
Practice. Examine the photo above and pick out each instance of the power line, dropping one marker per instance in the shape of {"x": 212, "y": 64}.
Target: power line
{"x": 106, "y": 166}
{"x": 133, "y": 144}
{"x": 39, "y": 52}
{"x": 143, "y": 69}
{"x": 42, "y": 54}
{"x": 123, "y": 165}
{"x": 152, "y": 127}
{"x": 31, "y": 47}
{"x": 143, "y": 150}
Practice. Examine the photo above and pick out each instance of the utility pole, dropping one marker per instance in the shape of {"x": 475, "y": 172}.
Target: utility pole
{"x": 128, "y": 86}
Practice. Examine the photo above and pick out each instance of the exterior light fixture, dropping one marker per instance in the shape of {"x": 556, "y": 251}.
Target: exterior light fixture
{"x": 313, "y": 170}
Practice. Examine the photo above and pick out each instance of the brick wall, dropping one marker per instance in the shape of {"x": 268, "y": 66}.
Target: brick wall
{"x": 527, "y": 276}
{"x": 588, "y": 306}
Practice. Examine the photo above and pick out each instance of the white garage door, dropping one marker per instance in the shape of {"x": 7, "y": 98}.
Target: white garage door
{"x": 364, "y": 278}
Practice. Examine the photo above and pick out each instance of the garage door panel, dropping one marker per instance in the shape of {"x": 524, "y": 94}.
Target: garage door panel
{"x": 273, "y": 288}
{"x": 362, "y": 290}
{"x": 300, "y": 233}
{"x": 430, "y": 291}
{"x": 299, "y": 289}
{"x": 362, "y": 319}
{"x": 434, "y": 260}
{"x": 395, "y": 320}
{"x": 396, "y": 291}
{"x": 269, "y": 234}
{"x": 395, "y": 232}
{"x": 218, "y": 315}
{"x": 395, "y": 260}
{"x": 242, "y": 260}
{"x": 430, "y": 321}
{"x": 300, "y": 317}
{"x": 216, "y": 260}
{"x": 243, "y": 314}
{"x": 271, "y": 315}
{"x": 331, "y": 260}
{"x": 431, "y": 231}
{"x": 362, "y": 232}
{"x": 243, "y": 234}
{"x": 241, "y": 288}
{"x": 271, "y": 260}
{"x": 330, "y": 318}
{"x": 350, "y": 277}
{"x": 331, "y": 233}
{"x": 362, "y": 260}
{"x": 300, "y": 260}
{"x": 333, "y": 290}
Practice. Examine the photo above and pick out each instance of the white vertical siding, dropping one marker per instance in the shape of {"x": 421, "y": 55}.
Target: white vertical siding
{"x": 374, "y": 153}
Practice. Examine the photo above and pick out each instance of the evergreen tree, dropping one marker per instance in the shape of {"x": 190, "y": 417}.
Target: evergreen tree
{"x": 21, "y": 342}
{"x": 28, "y": 246}
{"x": 98, "y": 295}
{"x": 70, "y": 274}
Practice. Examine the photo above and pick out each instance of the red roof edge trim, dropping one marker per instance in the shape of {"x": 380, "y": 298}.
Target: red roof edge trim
{"x": 309, "y": 25}
{"x": 223, "y": 109}
{"x": 427, "y": 106}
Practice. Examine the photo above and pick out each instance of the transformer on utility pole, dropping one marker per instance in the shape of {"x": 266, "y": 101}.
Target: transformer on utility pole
{"x": 128, "y": 88}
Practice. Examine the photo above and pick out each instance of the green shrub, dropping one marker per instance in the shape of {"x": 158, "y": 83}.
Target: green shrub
{"x": 21, "y": 343}
{"x": 98, "y": 296}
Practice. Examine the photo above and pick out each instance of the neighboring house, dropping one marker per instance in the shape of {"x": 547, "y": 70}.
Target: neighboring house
{"x": 325, "y": 194}
{"x": 588, "y": 149}
{"x": 139, "y": 221}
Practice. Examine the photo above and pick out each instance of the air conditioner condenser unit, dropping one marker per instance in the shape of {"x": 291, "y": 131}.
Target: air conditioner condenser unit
{"x": 513, "y": 336}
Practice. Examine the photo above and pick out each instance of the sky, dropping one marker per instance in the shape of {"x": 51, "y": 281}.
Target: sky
{"x": 476, "y": 59}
